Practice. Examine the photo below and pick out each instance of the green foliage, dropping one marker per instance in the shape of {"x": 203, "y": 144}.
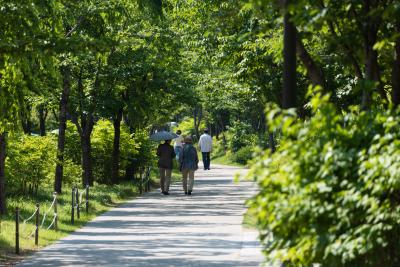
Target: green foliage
{"x": 72, "y": 150}
{"x": 243, "y": 155}
{"x": 102, "y": 147}
{"x": 30, "y": 164}
{"x": 241, "y": 135}
{"x": 329, "y": 195}
{"x": 187, "y": 126}
{"x": 145, "y": 155}
{"x": 30, "y": 161}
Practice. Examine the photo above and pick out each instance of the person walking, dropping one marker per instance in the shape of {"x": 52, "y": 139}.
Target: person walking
{"x": 205, "y": 145}
{"x": 166, "y": 153}
{"x": 188, "y": 165}
{"x": 178, "y": 144}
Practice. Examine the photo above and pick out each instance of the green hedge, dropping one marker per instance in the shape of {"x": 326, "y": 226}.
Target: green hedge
{"x": 331, "y": 193}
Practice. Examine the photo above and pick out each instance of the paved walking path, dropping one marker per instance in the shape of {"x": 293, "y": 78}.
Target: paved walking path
{"x": 176, "y": 230}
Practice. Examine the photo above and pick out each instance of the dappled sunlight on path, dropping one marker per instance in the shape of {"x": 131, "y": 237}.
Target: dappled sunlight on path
{"x": 176, "y": 230}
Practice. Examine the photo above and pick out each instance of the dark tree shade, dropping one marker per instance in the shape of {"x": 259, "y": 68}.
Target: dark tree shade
{"x": 61, "y": 130}
{"x": 3, "y": 208}
{"x": 289, "y": 66}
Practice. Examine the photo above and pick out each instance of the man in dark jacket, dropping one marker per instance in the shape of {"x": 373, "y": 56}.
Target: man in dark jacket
{"x": 166, "y": 153}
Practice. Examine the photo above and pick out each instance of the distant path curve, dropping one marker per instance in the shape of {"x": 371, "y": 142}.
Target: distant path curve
{"x": 176, "y": 230}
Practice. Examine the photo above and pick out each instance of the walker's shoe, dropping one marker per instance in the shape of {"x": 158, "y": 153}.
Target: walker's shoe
{"x": 165, "y": 193}
{"x": 186, "y": 192}
{"x": 189, "y": 192}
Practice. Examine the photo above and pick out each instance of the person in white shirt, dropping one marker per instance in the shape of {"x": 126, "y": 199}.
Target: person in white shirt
{"x": 178, "y": 144}
{"x": 205, "y": 146}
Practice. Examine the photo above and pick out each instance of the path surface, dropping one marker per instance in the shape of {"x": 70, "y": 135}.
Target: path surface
{"x": 176, "y": 230}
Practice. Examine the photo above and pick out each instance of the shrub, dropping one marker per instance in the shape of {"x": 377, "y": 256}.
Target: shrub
{"x": 330, "y": 194}
{"x": 243, "y": 155}
{"x": 30, "y": 162}
{"x": 218, "y": 149}
{"x": 102, "y": 147}
{"x": 240, "y": 135}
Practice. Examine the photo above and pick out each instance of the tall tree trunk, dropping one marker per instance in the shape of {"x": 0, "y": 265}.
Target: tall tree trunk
{"x": 371, "y": 55}
{"x": 271, "y": 138}
{"x": 26, "y": 120}
{"x": 197, "y": 117}
{"x": 314, "y": 72}
{"x": 396, "y": 71}
{"x": 289, "y": 91}
{"x": 42, "y": 120}
{"x": 61, "y": 130}
{"x": 3, "y": 204}
{"x": 87, "y": 177}
{"x": 116, "y": 150}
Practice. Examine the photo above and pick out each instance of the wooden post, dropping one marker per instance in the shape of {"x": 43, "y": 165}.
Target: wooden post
{"x": 72, "y": 205}
{"x": 55, "y": 211}
{"x": 78, "y": 214}
{"x": 37, "y": 225}
{"x": 17, "y": 230}
{"x": 87, "y": 199}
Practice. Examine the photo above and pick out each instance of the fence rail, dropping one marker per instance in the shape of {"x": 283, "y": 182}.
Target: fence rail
{"x": 77, "y": 203}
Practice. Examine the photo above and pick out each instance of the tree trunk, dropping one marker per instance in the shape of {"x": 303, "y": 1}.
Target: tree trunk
{"x": 197, "y": 116}
{"x": 314, "y": 72}
{"x": 42, "y": 120}
{"x": 396, "y": 71}
{"x": 116, "y": 150}
{"x": 3, "y": 205}
{"x": 289, "y": 65}
{"x": 371, "y": 55}
{"x": 61, "y": 130}
{"x": 272, "y": 146}
{"x": 87, "y": 177}
{"x": 26, "y": 120}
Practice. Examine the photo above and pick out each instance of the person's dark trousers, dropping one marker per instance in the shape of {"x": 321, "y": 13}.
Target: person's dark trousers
{"x": 206, "y": 160}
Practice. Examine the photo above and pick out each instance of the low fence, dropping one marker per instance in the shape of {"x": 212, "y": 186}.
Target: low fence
{"x": 144, "y": 181}
{"x": 36, "y": 215}
{"x": 78, "y": 202}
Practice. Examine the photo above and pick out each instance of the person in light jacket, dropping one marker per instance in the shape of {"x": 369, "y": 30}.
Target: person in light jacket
{"x": 189, "y": 164}
{"x": 178, "y": 144}
{"x": 205, "y": 145}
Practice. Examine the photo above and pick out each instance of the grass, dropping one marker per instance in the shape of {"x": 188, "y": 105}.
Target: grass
{"x": 225, "y": 160}
{"x": 102, "y": 198}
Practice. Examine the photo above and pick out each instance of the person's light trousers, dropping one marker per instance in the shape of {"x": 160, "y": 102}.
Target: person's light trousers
{"x": 187, "y": 185}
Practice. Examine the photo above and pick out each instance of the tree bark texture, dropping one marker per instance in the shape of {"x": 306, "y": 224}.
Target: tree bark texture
{"x": 289, "y": 66}
{"x": 116, "y": 150}
{"x": 3, "y": 204}
{"x": 61, "y": 130}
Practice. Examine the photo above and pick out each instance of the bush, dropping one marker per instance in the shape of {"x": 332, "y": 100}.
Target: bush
{"x": 240, "y": 135}
{"x": 243, "y": 155}
{"x": 30, "y": 162}
{"x": 330, "y": 194}
{"x": 102, "y": 147}
{"x": 218, "y": 149}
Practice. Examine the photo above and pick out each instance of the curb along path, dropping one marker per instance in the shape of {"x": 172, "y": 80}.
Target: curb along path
{"x": 204, "y": 229}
